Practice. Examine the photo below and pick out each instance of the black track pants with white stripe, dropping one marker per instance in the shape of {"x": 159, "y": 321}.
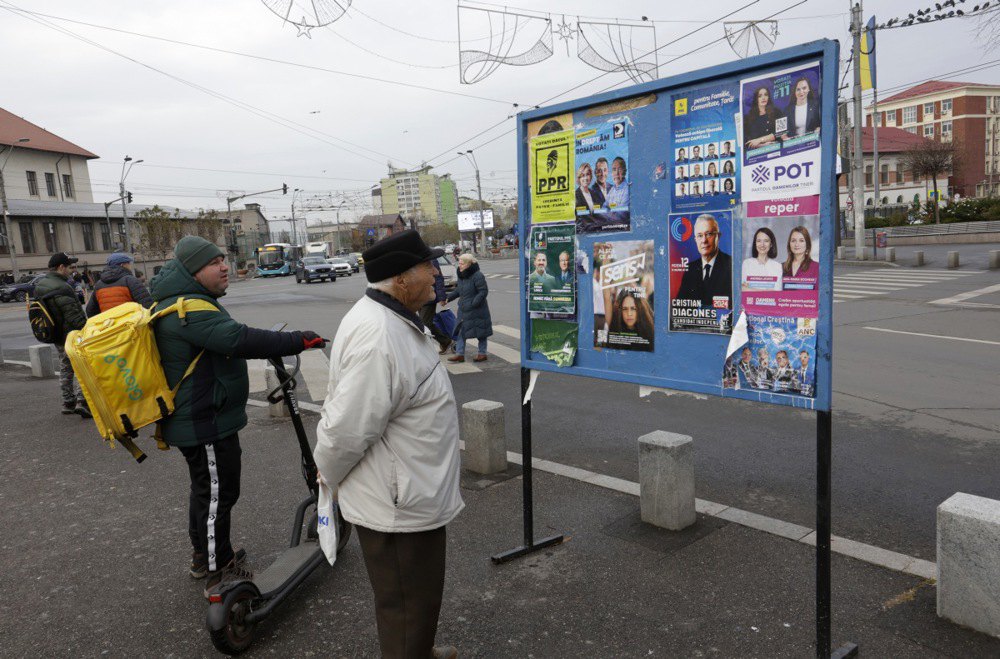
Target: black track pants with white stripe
{"x": 215, "y": 488}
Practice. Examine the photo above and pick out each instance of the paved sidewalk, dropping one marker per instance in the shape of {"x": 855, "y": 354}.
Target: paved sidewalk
{"x": 95, "y": 554}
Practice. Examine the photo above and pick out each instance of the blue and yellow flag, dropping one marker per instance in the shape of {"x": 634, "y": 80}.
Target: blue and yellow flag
{"x": 867, "y": 54}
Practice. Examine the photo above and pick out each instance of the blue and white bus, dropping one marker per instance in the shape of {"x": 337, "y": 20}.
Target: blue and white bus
{"x": 277, "y": 259}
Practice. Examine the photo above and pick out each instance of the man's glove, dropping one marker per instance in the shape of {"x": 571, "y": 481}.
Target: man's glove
{"x": 312, "y": 340}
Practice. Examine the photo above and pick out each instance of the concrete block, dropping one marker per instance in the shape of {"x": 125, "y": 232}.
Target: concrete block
{"x": 840, "y": 252}
{"x": 666, "y": 480}
{"x": 890, "y": 254}
{"x": 484, "y": 432}
{"x": 968, "y": 564}
{"x": 994, "y": 265}
{"x": 279, "y": 409}
{"x": 42, "y": 357}
{"x": 918, "y": 257}
{"x": 952, "y": 260}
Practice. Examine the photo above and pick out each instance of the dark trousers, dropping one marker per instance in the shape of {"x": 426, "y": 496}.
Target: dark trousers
{"x": 407, "y": 575}
{"x": 215, "y": 489}
{"x": 427, "y": 318}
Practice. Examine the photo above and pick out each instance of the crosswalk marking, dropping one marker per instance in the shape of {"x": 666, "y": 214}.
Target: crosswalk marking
{"x": 496, "y": 275}
{"x": 509, "y": 331}
{"x": 858, "y": 285}
{"x": 860, "y": 291}
{"x": 504, "y": 353}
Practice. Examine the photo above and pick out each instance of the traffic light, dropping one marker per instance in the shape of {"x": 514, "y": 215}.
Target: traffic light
{"x": 284, "y": 188}
{"x": 128, "y": 197}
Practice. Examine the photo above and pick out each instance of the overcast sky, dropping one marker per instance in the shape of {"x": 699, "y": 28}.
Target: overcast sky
{"x": 332, "y": 134}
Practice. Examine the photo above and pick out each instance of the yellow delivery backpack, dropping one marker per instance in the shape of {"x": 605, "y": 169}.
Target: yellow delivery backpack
{"x": 118, "y": 365}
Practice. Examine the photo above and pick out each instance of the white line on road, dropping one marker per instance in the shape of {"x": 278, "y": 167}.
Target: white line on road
{"x": 962, "y": 297}
{"x": 509, "y": 331}
{"x": 933, "y": 336}
{"x": 848, "y": 282}
{"x": 505, "y": 353}
{"x": 847, "y": 296}
{"x": 858, "y": 290}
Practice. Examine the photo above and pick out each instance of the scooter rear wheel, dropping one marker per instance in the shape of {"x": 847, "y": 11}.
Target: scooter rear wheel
{"x": 237, "y": 634}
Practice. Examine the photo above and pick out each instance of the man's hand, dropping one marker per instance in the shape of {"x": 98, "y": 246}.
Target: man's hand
{"x": 312, "y": 340}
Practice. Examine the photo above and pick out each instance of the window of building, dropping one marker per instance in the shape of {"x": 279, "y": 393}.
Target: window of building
{"x": 899, "y": 174}
{"x": 105, "y": 237}
{"x": 911, "y": 129}
{"x": 899, "y": 199}
{"x": 67, "y": 186}
{"x": 50, "y": 183}
{"x": 878, "y": 119}
{"x": 4, "y": 249}
{"x": 910, "y": 114}
{"x": 868, "y": 175}
{"x": 870, "y": 202}
{"x": 946, "y": 129}
{"x": 121, "y": 233}
{"x": 32, "y": 183}
{"x": 51, "y": 244}
{"x": 929, "y": 130}
{"x": 885, "y": 201}
{"x": 88, "y": 236}
{"x": 27, "y": 237}
{"x": 890, "y": 117}
{"x": 928, "y": 109}
{"x": 883, "y": 175}
{"x": 946, "y": 107}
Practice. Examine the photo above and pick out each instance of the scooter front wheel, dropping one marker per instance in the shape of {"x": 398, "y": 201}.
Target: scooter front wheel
{"x": 227, "y": 624}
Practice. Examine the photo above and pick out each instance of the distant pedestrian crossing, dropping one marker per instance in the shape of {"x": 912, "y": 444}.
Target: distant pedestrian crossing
{"x": 873, "y": 283}
{"x": 499, "y": 276}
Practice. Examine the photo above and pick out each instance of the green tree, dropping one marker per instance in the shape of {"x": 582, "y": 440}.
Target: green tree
{"x": 158, "y": 232}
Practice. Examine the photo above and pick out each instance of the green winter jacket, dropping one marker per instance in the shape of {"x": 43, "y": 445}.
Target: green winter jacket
{"x": 211, "y": 403}
{"x": 63, "y": 304}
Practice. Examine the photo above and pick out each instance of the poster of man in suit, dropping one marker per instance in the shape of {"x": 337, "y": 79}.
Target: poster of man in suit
{"x": 701, "y": 272}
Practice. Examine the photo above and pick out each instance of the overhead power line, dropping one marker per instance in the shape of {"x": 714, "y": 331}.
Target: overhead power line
{"x": 941, "y": 11}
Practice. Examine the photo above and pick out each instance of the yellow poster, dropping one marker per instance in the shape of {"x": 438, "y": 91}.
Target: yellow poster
{"x": 550, "y": 161}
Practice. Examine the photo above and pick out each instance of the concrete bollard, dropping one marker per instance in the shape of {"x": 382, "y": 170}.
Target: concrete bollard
{"x": 994, "y": 265}
{"x": 484, "y": 432}
{"x": 952, "y": 260}
{"x": 968, "y": 565}
{"x": 666, "y": 480}
{"x": 918, "y": 257}
{"x": 42, "y": 358}
{"x": 279, "y": 409}
{"x": 840, "y": 252}
{"x": 890, "y": 254}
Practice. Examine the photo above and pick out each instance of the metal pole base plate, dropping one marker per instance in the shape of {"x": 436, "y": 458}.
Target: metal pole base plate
{"x": 518, "y": 552}
{"x": 844, "y": 651}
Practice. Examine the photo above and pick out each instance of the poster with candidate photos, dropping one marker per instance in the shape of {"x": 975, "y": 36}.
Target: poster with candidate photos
{"x": 780, "y": 357}
{"x": 705, "y": 148}
{"x": 550, "y": 164}
{"x": 623, "y": 295}
{"x": 552, "y": 280}
{"x": 701, "y": 272}
{"x": 779, "y": 269}
{"x": 602, "y": 180}
{"x": 781, "y": 147}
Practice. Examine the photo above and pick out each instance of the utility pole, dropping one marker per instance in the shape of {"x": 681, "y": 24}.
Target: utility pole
{"x": 482, "y": 210}
{"x": 877, "y": 168}
{"x": 8, "y": 236}
{"x": 857, "y": 163}
{"x": 121, "y": 190}
{"x": 229, "y": 217}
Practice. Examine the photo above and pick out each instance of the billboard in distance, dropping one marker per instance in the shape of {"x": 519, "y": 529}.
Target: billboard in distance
{"x": 469, "y": 220}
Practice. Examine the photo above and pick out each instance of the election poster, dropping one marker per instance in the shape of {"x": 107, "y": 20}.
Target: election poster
{"x": 552, "y": 281}
{"x": 705, "y": 148}
{"x": 602, "y": 182}
{"x": 701, "y": 272}
{"x": 779, "y": 274}
{"x": 556, "y": 340}
{"x": 623, "y": 295}
{"x": 550, "y": 161}
{"x": 780, "y": 356}
{"x": 781, "y": 146}
{"x": 553, "y": 124}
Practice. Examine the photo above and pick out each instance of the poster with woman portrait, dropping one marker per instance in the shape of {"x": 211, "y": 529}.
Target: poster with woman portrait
{"x": 552, "y": 280}
{"x": 781, "y": 120}
{"x": 623, "y": 295}
{"x": 779, "y": 267}
{"x": 701, "y": 272}
{"x": 779, "y": 357}
{"x": 602, "y": 182}
{"x": 704, "y": 148}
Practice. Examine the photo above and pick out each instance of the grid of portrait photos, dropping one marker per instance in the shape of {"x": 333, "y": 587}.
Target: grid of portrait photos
{"x": 707, "y": 169}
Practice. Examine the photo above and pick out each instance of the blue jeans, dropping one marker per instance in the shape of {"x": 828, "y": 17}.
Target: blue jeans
{"x": 460, "y": 345}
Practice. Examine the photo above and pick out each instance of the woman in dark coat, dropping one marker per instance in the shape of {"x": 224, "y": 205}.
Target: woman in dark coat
{"x": 474, "y": 321}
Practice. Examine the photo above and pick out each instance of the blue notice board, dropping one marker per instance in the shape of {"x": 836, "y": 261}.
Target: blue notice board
{"x": 702, "y": 208}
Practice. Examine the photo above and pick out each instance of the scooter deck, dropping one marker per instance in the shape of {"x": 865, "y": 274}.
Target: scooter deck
{"x": 288, "y": 563}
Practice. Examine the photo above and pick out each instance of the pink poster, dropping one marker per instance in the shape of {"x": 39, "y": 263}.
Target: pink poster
{"x": 779, "y": 274}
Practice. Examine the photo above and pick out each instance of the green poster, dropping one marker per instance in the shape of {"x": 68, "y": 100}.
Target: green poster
{"x": 552, "y": 281}
{"x": 550, "y": 160}
{"x": 555, "y": 339}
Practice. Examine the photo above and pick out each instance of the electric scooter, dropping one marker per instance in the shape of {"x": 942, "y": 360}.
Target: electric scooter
{"x": 236, "y": 607}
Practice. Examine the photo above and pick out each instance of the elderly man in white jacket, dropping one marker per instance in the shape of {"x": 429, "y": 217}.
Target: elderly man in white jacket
{"x": 388, "y": 438}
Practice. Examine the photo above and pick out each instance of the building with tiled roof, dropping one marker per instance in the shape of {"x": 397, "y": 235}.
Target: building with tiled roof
{"x": 897, "y": 185}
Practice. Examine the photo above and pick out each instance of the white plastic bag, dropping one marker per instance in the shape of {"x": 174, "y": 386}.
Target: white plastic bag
{"x": 327, "y": 522}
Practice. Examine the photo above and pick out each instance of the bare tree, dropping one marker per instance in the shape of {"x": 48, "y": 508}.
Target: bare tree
{"x": 988, "y": 29}
{"x": 160, "y": 231}
{"x": 933, "y": 159}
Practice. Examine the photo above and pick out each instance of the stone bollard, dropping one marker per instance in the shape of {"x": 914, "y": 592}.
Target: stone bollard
{"x": 484, "y": 433}
{"x": 918, "y": 257}
{"x": 994, "y": 265}
{"x": 666, "y": 480}
{"x": 968, "y": 565}
{"x": 952, "y": 260}
{"x": 279, "y": 409}
{"x": 890, "y": 254}
{"x": 42, "y": 358}
{"x": 840, "y": 252}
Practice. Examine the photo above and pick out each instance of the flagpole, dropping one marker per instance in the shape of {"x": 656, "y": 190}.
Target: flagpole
{"x": 875, "y": 122}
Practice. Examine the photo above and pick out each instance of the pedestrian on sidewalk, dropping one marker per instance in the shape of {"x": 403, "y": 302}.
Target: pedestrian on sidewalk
{"x": 427, "y": 311}
{"x": 210, "y": 405}
{"x": 388, "y": 439}
{"x": 117, "y": 285}
{"x": 474, "y": 321}
{"x": 60, "y": 298}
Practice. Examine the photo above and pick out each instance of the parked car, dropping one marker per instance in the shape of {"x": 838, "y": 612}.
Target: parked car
{"x": 340, "y": 266}
{"x": 311, "y": 268}
{"x": 361, "y": 260}
{"x": 352, "y": 260}
{"x": 449, "y": 272}
{"x": 21, "y": 291}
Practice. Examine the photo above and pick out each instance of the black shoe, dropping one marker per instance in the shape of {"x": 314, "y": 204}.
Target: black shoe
{"x": 83, "y": 411}
{"x": 236, "y": 570}
{"x": 69, "y": 408}
{"x": 199, "y": 565}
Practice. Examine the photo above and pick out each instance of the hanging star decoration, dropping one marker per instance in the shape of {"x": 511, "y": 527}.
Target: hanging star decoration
{"x": 303, "y": 29}
{"x": 566, "y": 32}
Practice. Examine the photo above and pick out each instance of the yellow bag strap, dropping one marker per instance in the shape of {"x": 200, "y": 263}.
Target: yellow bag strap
{"x": 183, "y": 306}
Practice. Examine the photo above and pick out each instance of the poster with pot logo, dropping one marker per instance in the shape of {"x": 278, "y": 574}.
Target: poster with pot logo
{"x": 602, "y": 183}
{"x": 780, "y": 357}
{"x": 552, "y": 281}
{"x": 550, "y": 161}
{"x": 779, "y": 272}
{"x": 701, "y": 272}
{"x": 705, "y": 149}
{"x": 623, "y": 295}
{"x": 781, "y": 120}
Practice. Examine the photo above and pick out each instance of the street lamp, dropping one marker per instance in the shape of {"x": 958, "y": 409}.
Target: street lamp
{"x": 121, "y": 190}
{"x": 482, "y": 211}
{"x": 8, "y": 236}
{"x": 295, "y": 229}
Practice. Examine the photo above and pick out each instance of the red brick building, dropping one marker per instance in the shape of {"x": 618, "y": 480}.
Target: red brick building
{"x": 965, "y": 113}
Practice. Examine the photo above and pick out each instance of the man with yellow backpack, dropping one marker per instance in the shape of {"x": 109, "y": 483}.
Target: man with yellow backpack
{"x": 210, "y": 404}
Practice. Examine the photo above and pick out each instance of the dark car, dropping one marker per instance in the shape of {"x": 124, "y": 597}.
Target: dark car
{"x": 352, "y": 260}
{"x": 20, "y": 291}
{"x": 312, "y": 268}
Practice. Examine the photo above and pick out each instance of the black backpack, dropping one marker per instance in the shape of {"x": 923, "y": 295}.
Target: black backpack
{"x": 43, "y": 324}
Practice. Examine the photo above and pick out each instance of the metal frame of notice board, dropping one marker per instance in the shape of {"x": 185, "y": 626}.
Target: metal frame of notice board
{"x": 652, "y": 199}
